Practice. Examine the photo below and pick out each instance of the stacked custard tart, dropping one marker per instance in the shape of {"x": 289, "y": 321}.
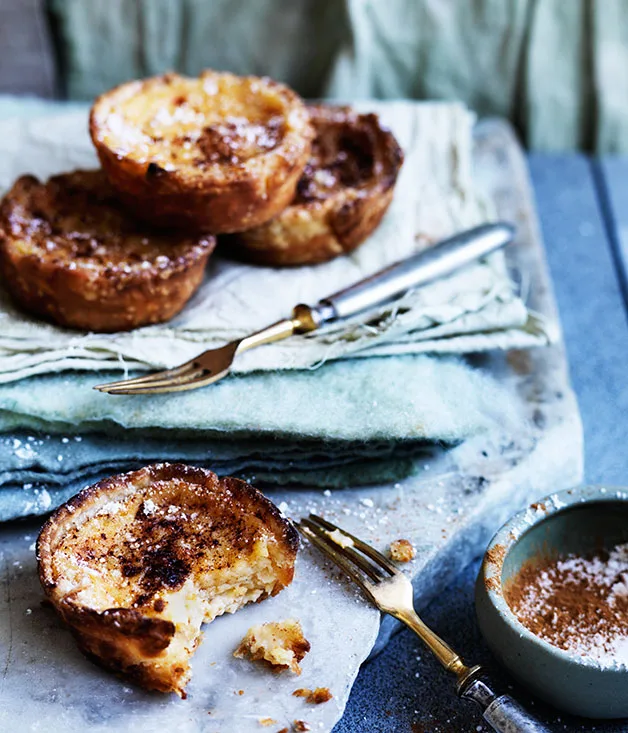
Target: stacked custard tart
{"x": 185, "y": 160}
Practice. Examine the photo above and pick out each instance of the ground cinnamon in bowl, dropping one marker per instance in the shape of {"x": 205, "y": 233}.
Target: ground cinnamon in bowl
{"x": 577, "y": 603}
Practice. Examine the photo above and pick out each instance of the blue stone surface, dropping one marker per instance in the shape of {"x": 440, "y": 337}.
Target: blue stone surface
{"x": 583, "y": 210}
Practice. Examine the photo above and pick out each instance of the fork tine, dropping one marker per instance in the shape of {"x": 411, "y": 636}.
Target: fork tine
{"x": 192, "y": 381}
{"x": 371, "y": 552}
{"x": 166, "y": 373}
{"x": 180, "y": 378}
{"x": 328, "y": 548}
{"x": 357, "y": 559}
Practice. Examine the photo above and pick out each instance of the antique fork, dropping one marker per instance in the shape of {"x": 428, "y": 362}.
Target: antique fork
{"x": 426, "y": 266}
{"x": 391, "y": 591}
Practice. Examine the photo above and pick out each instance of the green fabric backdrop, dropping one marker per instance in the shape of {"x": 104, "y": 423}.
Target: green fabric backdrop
{"x": 557, "y": 68}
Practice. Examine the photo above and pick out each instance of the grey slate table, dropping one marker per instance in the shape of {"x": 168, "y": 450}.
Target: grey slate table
{"x": 583, "y": 208}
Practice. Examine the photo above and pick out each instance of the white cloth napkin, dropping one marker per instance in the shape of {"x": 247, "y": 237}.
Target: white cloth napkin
{"x": 473, "y": 310}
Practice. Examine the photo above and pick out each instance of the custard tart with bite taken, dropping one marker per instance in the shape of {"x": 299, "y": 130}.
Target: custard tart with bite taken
{"x": 217, "y": 153}
{"x": 138, "y": 562}
{"x": 70, "y": 253}
{"x": 341, "y": 197}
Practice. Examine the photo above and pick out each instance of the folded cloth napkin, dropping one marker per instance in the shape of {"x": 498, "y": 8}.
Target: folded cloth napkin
{"x": 472, "y": 310}
{"x": 349, "y": 422}
{"x": 300, "y": 411}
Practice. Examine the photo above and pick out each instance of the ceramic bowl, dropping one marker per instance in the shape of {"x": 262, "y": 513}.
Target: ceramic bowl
{"x": 575, "y": 521}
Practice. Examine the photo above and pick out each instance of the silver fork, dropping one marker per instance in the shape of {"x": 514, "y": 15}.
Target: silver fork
{"x": 438, "y": 261}
{"x": 391, "y": 591}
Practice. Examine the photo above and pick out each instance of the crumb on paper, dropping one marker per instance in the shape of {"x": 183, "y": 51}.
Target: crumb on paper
{"x": 299, "y": 726}
{"x": 280, "y": 644}
{"x": 266, "y": 721}
{"x": 316, "y": 697}
{"x": 402, "y": 551}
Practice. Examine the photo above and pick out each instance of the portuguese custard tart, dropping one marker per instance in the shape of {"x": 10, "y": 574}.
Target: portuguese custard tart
{"x": 218, "y": 153}
{"x": 70, "y": 253}
{"x": 136, "y": 563}
{"x": 341, "y": 197}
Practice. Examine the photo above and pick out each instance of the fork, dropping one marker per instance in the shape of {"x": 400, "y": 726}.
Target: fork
{"x": 426, "y": 266}
{"x": 391, "y": 591}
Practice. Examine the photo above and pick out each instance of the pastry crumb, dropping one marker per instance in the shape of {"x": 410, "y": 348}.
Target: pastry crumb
{"x": 402, "y": 551}
{"x": 280, "y": 644}
{"x": 266, "y": 721}
{"x": 300, "y": 725}
{"x": 316, "y": 697}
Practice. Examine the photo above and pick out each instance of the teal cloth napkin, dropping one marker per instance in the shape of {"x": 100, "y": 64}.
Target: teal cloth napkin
{"x": 347, "y": 423}
{"x": 409, "y": 398}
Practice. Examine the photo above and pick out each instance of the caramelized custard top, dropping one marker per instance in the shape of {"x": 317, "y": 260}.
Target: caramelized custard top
{"x": 168, "y": 523}
{"x": 175, "y": 121}
{"x": 344, "y": 154}
{"x": 75, "y": 220}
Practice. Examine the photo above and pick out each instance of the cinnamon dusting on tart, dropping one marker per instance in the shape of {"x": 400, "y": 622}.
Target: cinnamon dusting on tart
{"x": 70, "y": 253}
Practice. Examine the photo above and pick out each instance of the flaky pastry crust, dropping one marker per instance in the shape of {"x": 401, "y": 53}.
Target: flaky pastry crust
{"x": 341, "y": 197}
{"x": 136, "y": 563}
{"x": 217, "y": 153}
{"x": 69, "y": 253}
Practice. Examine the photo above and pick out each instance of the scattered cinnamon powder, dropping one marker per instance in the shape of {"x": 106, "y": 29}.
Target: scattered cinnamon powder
{"x": 266, "y": 721}
{"x": 402, "y": 551}
{"x": 316, "y": 697}
{"x": 300, "y": 726}
{"x": 495, "y": 555}
{"x": 576, "y": 603}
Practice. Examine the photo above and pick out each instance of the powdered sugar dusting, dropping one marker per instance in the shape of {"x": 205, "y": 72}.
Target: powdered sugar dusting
{"x": 149, "y": 506}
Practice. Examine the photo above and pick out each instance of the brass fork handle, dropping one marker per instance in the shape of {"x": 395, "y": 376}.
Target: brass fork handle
{"x": 503, "y": 714}
{"x": 304, "y": 319}
{"x": 275, "y": 332}
{"x": 441, "y": 650}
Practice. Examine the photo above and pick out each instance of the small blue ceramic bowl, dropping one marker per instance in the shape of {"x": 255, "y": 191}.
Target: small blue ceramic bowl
{"x": 576, "y": 521}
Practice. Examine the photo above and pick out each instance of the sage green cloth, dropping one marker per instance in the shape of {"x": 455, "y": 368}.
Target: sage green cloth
{"x": 348, "y": 423}
{"x": 557, "y": 68}
{"x": 382, "y": 399}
